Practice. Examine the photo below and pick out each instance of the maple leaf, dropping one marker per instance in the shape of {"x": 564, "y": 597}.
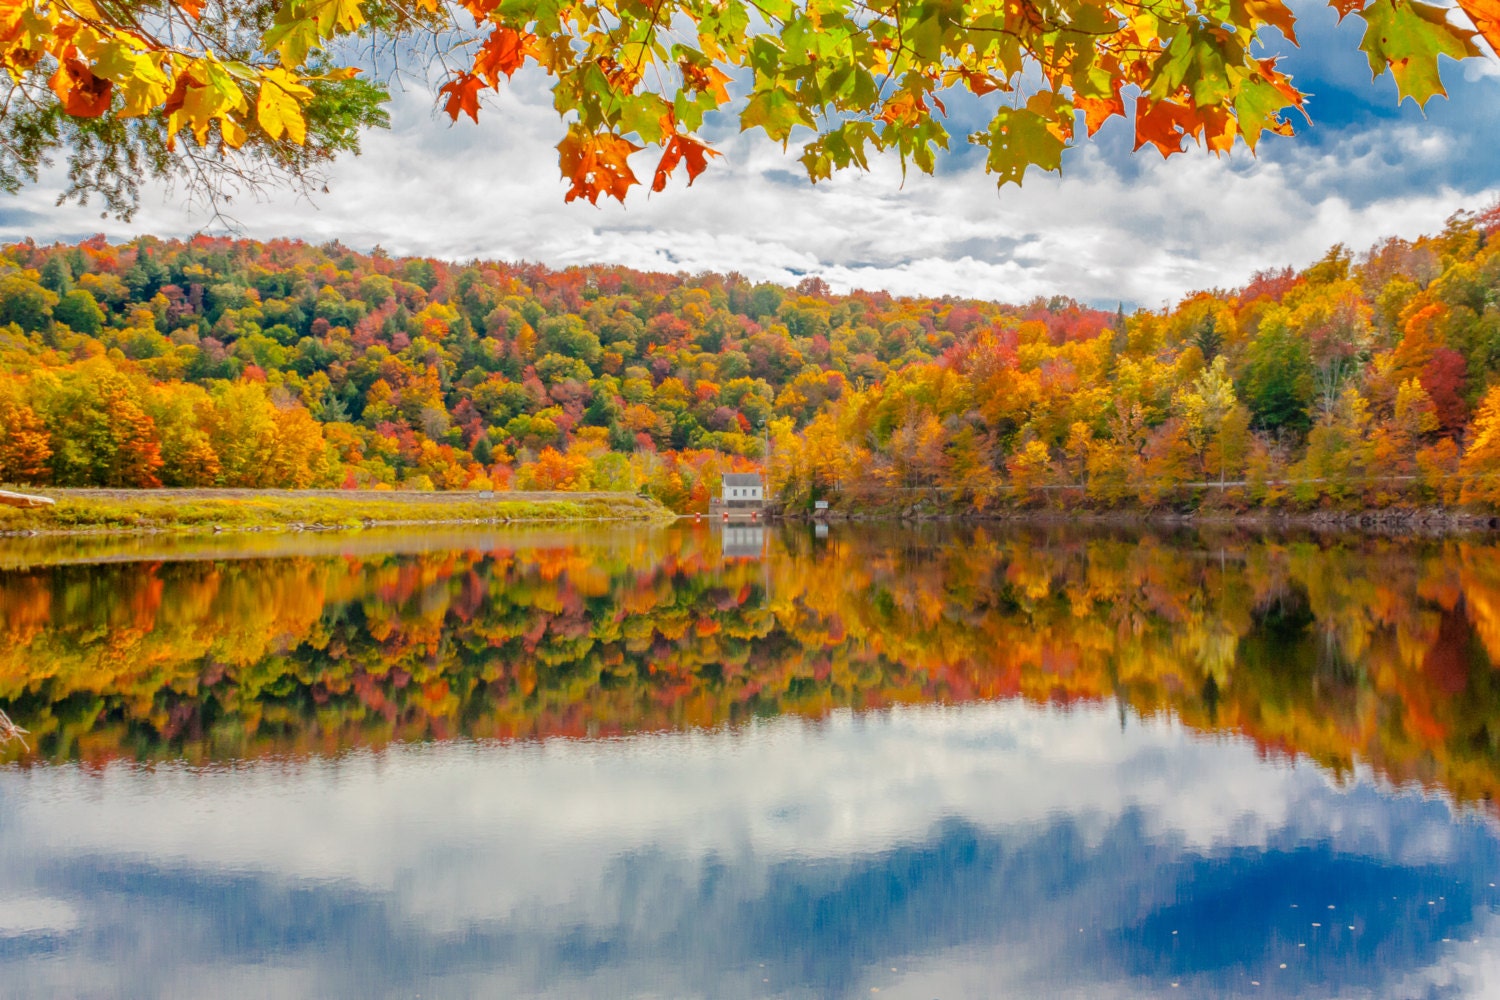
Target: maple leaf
{"x": 504, "y": 51}
{"x": 1219, "y": 129}
{"x": 706, "y": 79}
{"x": 278, "y": 108}
{"x": 137, "y": 76}
{"x": 1486, "y": 17}
{"x": 1098, "y": 110}
{"x": 904, "y": 108}
{"x": 83, "y": 95}
{"x": 682, "y": 149}
{"x": 205, "y": 92}
{"x": 463, "y": 96}
{"x": 193, "y": 7}
{"x": 1019, "y": 138}
{"x": 1347, "y": 7}
{"x": 777, "y": 111}
{"x": 980, "y": 83}
{"x": 1272, "y": 12}
{"x": 596, "y": 164}
{"x": 1164, "y": 124}
{"x": 1259, "y": 103}
{"x": 1408, "y": 36}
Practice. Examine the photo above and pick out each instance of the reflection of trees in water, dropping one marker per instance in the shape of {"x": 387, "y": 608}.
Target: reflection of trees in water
{"x": 1359, "y": 650}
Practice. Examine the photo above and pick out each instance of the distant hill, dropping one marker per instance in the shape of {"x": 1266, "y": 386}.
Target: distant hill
{"x": 1364, "y": 379}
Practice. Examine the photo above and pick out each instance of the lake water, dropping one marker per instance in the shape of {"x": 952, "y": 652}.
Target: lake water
{"x": 746, "y": 762}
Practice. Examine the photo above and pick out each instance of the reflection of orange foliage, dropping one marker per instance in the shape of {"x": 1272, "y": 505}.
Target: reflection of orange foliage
{"x": 658, "y": 631}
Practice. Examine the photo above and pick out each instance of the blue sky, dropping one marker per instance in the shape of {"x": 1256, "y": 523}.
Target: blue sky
{"x": 1115, "y": 226}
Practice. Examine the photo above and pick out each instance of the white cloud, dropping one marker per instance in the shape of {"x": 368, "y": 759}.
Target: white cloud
{"x": 1142, "y": 230}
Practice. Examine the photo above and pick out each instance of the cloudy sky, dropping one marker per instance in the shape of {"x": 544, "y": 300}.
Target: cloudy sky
{"x": 1114, "y": 226}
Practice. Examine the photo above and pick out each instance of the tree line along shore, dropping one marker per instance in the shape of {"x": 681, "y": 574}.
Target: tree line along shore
{"x": 1367, "y": 381}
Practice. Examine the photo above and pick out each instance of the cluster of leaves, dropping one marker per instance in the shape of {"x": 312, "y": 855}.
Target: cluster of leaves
{"x": 1349, "y": 654}
{"x": 1355, "y": 382}
{"x": 224, "y": 95}
{"x": 115, "y": 80}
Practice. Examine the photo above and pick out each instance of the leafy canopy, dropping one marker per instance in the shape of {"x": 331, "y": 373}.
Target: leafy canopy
{"x": 234, "y": 91}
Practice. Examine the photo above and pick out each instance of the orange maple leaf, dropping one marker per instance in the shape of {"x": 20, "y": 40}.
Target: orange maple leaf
{"x": 1098, "y": 110}
{"x": 1486, "y": 17}
{"x": 707, "y": 79}
{"x": 1220, "y": 129}
{"x": 1164, "y": 125}
{"x": 83, "y": 95}
{"x": 682, "y": 149}
{"x": 505, "y": 51}
{"x": 904, "y": 108}
{"x": 463, "y": 96}
{"x": 597, "y": 164}
{"x": 193, "y": 7}
{"x": 980, "y": 83}
{"x": 480, "y": 8}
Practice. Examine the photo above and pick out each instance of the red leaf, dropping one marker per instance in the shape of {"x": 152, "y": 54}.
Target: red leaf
{"x": 980, "y": 83}
{"x": 505, "y": 51}
{"x": 682, "y": 149}
{"x": 463, "y": 96}
{"x": 596, "y": 164}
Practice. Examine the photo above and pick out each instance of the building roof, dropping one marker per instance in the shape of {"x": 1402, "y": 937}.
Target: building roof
{"x": 742, "y": 479}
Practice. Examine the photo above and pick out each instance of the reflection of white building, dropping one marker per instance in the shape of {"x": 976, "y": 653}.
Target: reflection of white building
{"x": 743, "y": 494}
{"x": 743, "y": 541}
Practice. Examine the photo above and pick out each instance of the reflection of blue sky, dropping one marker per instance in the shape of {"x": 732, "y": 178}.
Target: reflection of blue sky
{"x": 990, "y": 850}
{"x": 1114, "y": 226}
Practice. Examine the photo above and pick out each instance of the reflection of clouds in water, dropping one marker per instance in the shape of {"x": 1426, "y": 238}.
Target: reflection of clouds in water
{"x": 25, "y": 915}
{"x": 675, "y": 861}
{"x": 1468, "y": 967}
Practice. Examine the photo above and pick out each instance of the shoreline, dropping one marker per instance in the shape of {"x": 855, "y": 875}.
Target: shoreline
{"x": 179, "y": 512}
{"x": 1386, "y": 521}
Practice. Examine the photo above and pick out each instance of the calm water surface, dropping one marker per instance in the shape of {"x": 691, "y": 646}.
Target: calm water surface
{"x": 691, "y": 762}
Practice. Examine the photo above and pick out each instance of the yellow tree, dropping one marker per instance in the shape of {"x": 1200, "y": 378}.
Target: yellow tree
{"x": 1480, "y": 468}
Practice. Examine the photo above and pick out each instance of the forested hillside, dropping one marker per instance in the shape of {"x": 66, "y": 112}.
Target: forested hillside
{"x": 1368, "y": 378}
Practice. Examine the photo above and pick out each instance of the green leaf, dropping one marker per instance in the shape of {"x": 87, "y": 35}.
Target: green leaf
{"x": 1407, "y": 36}
{"x": 1019, "y": 138}
{"x": 776, "y": 111}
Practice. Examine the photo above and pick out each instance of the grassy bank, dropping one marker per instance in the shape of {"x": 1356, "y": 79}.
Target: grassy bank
{"x": 87, "y": 511}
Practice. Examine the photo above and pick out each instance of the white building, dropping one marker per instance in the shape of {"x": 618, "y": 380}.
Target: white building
{"x": 743, "y": 489}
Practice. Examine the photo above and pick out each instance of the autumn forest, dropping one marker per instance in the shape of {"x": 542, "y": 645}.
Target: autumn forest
{"x": 1370, "y": 378}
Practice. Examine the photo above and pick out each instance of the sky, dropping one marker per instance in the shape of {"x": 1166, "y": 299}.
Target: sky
{"x": 1116, "y": 226}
